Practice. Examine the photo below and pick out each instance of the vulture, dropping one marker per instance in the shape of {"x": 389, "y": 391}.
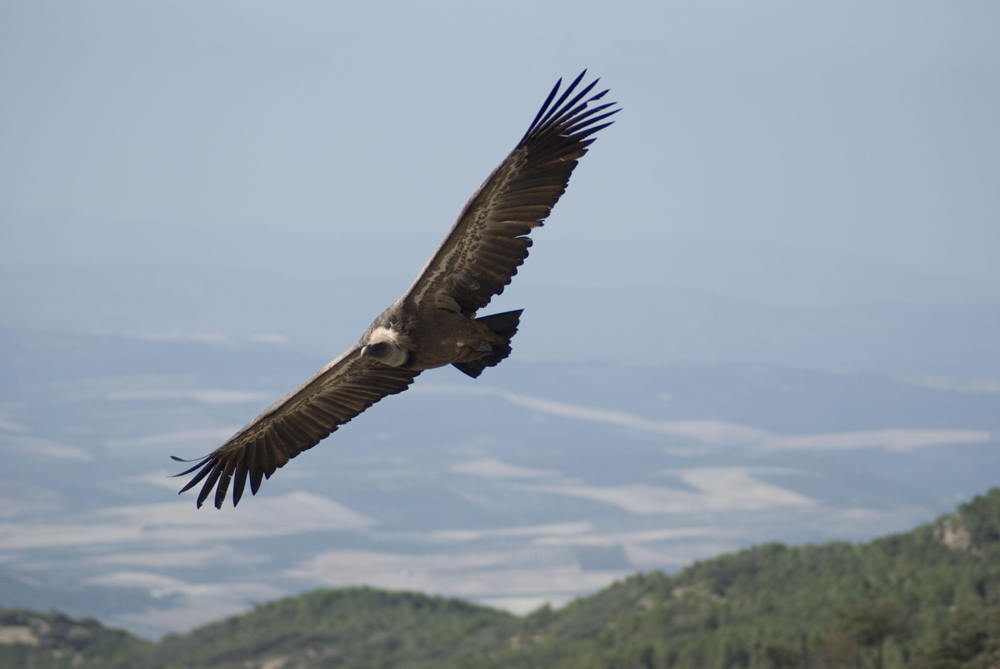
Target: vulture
{"x": 434, "y": 323}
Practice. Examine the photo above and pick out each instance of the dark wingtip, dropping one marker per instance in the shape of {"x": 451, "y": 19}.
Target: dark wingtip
{"x": 206, "y": 490}
{"x": 569, "y": 111}
{"x": 198, "y": 464}
{"x": 545, "y": 106}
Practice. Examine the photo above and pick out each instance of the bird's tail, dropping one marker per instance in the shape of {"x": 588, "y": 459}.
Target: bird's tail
{"x": 505, "y": 325}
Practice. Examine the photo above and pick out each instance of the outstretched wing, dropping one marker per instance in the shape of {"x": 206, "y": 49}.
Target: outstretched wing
{"x": 334, "y": 395}
{"x": 489, "y": 240}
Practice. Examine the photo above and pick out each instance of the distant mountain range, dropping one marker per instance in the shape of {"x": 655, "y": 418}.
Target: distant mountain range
{"x": 656, "y": 300}
{"x": 928, "y": 598}
{"x": 652, "y": 324}
{"x": 763, "y": 273}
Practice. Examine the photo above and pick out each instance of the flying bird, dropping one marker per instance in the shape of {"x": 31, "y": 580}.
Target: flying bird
{"x": 434, "y": 323}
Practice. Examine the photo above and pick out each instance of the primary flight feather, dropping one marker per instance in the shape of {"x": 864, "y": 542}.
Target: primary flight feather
{"x": 434, "y": 324}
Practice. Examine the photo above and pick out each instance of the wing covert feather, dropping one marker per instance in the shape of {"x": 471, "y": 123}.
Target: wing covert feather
{"x": 297, "y": 422}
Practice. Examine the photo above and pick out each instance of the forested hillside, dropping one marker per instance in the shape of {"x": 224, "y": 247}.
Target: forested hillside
{"x": 929, "y": 599}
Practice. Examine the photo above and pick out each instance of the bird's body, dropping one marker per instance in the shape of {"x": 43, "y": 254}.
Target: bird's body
{"x": 434, "y": 323}
{"x": 414, "y": 340}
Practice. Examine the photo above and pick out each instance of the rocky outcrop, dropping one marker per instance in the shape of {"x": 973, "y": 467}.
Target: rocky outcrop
{"x": 953, "y": 533}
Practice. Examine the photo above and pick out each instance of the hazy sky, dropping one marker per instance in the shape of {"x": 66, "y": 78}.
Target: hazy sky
{"x": 869, "y": 127}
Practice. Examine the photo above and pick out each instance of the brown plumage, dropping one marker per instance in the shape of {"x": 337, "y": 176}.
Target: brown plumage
{"x": 434, "y": 324}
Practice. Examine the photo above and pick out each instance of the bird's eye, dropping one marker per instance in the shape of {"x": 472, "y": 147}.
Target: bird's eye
{"x": 377, "y": 349}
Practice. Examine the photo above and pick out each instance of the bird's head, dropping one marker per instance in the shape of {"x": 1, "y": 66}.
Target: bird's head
{"x": 382, "y": 345}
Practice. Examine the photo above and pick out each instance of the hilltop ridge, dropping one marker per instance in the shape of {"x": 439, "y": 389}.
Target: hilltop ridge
{"x": 927, "y": 598}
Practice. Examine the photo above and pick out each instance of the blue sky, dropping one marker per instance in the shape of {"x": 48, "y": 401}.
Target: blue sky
{"x": 860, "y": 127}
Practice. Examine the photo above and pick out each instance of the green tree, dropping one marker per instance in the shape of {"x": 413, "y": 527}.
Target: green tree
{"x": 970, "y": 640}
{"x": 871, "y": 624}
{"x": 781, "y": 656}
